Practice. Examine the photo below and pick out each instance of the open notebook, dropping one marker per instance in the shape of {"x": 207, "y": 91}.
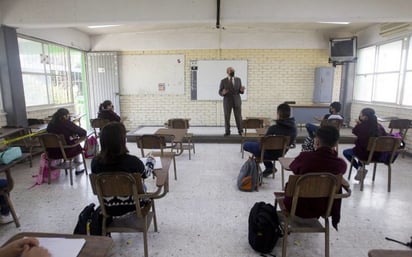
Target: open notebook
{"x": 158, "y": 164}
{"x": 62, "y": 247}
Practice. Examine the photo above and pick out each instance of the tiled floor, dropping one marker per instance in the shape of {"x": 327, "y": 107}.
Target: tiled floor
{"x": 204, "y": 214}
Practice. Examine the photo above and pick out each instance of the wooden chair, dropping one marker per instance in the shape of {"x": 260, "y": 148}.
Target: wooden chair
{"x": 381, "y": 144}
{"x": 121, "y": 184}
{"x": 187, "y": 144}
{"x": 402, "y": 126}
{"x": 250, "y": 124}
{"x": 310, "y": 185}
{"x": 50, "y": 140}
{"x": 159, "y": 143}
{"x": 97, "y": 124}
{"x": 271, "y": 142}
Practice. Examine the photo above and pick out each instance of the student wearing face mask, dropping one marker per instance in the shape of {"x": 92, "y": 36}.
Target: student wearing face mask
{"x": 231, "y": 88}
{"x": 366, "y": 126}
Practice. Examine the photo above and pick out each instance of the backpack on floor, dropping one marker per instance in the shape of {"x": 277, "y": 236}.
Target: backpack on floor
{"x": 91, "y": 147}
{"x": 43, "y": 176}
{"x": 248, "y": 176}
{"x": 90, "y": 221}
{"x": 264, "y": 227}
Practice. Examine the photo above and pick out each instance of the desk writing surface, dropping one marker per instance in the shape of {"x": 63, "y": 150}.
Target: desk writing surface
{"x": 95, "y": 246}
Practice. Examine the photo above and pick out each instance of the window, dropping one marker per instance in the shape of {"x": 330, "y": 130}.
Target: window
{"x": 47, "y": 73}
{"x": 379, "y": 72}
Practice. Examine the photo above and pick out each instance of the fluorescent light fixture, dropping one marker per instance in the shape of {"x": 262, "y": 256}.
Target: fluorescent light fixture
{"x": 335, "y": 22}
{"x": 101, "y": 26}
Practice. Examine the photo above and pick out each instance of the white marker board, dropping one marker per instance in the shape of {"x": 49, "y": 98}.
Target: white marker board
{"x": 152, "y": 74}
{"x": 211, "y": 72}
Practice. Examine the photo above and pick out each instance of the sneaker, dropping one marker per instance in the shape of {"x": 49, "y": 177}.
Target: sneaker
{"x": 4, "y": 219}
{"x": 360, "y": 175}
{"x": 78, "y": 172}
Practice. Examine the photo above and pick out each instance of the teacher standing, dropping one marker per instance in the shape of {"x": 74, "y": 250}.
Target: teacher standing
{"x": 231, "y": 88}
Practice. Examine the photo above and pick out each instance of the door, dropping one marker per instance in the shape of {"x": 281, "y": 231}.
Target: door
{"x": 103, "y": 79}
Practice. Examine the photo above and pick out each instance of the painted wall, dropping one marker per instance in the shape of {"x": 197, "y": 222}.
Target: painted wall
{"x": 275, "y": 76}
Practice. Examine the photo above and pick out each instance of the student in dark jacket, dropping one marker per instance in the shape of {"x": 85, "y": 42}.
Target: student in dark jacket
{"x": 106, "y": 111}
{"x": 366, "y": 126}
{"x": 61, "y": 124}
{"x": 286, "y": 126}
{"x": 323, "y": 159}
{"x": 114, "y": 157}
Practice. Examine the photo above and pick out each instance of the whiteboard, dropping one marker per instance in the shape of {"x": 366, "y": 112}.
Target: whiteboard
{"x": 211, "y": 72}
{"x": 151, "y": 74}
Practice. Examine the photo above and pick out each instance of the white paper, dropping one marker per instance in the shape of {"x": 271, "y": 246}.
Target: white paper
{"x": 158, "y": 164}
{"x": 62, "y": 247}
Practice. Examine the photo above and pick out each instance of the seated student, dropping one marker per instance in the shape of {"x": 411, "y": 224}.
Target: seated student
{"x": 113, "y": 157}
{"x": 366, "y": 126}
{"x": 61, "y": 124}
{"x": 106, "y": 111}
{"x": 334, "y": 110}
{"x": 323, "y": 159}
{"x": 286, "y": 126}
{"x": 5, "y": 215}
{"x": 24, "y": 247}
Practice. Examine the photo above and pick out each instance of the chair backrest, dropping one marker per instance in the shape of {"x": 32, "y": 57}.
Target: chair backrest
{"x": 274, "y": 142}
{"x": 178, "y": 123}
{"x": 97, "y": 124}
{"x": 51, "y": 140}
{"x": 252, "y": 123}
{"x": 313, "y": 185}
{"x": 117, "y": 184}
{"x": 153, "y": 142}
{"x": 383, "y": 144}
{"x": 337, "y": 123}
{"x": 400, "y": 124}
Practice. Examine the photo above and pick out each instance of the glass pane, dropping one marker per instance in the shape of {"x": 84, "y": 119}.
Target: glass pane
{"x": 389, "y": 56}
{"x": 409, "y": 60}
{"x": 386, "y": 87}
{"x": 31, "y": 55}
{"x": 57, "y": 57}
{"x": 366, "y": 60}
{"x": 35, "y": 88}
{"x": 363, "y": 88}
{"x": 61, "y": 89}
{"x": 407, "y": 93}
{"x": 77, "y": 77}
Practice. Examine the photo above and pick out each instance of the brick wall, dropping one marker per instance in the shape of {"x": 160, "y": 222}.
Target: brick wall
{"x": 274, "y": 76}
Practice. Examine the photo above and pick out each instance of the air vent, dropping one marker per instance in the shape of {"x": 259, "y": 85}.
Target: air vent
{"x": 394, "y": 29}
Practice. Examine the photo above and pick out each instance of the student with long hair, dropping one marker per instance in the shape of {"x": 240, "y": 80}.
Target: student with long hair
{"x": 366, "y": 126}
{"x": 114, "y": 157}
{"x": 106, "y": 111}
{"x": 61, "y": 124}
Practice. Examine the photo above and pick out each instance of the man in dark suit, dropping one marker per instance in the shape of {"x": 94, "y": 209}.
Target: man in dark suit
{"x": 231, "y": 88}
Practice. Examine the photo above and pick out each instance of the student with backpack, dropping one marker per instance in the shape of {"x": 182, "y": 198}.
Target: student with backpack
{"x": 114, "y": 157}
{"x": 286, "y": 126}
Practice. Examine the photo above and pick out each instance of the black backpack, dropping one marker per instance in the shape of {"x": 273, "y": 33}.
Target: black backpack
{"x": 90, "y": 221}
{"x": 264, "y": 227}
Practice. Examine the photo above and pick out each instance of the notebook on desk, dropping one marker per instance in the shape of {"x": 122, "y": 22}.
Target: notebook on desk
{"x": 62, "y": 247}
{"x": 158, "y": 164}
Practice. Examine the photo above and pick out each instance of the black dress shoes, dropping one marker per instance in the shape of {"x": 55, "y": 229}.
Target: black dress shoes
{"x": 226, "y": 134}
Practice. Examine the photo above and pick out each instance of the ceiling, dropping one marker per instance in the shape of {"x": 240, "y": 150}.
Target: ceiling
{"x": 235, "y": 27}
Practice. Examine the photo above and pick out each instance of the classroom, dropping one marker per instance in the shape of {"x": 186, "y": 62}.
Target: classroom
{"x": 164, "y": 59}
